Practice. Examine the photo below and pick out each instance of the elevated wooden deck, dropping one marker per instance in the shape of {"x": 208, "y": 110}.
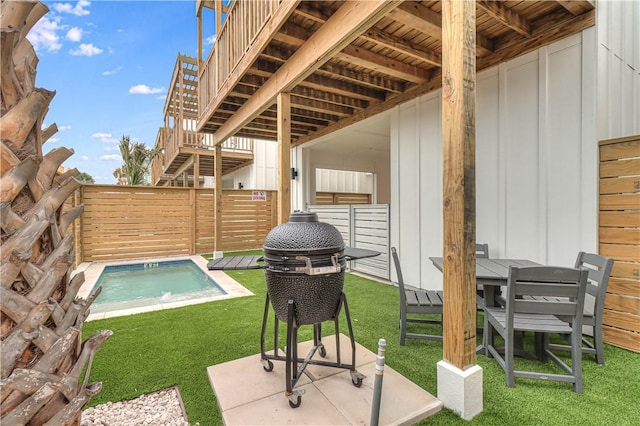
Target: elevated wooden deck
{"x": 343, "y": 61}
{"x": 189, "y": 154}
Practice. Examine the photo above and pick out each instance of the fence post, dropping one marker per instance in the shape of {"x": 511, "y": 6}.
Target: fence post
{"x": 192, "y": 225}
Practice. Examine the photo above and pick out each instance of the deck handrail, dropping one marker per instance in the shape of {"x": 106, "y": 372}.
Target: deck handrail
{"x": 243, "y": 23}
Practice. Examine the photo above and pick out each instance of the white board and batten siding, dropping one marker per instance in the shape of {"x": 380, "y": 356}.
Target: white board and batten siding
{"x": 536, "y": 163}
{"x": 365, "y": 227}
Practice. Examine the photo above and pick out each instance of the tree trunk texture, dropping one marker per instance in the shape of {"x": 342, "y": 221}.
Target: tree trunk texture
{"x": 44, "y": 364}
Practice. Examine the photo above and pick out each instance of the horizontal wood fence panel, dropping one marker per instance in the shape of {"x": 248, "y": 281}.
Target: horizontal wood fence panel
{"x": 619, "y": 218}
{"x": 620, "y": 168}
{"x": 618, "y": 150}
{"x": 126, "y": 222}
{"x": 619, "y": 185}
{"x": 620, "y": 202}
{"x": 626, "y": 270}
{"x": 371, "y": 232}
{"x": 620, "y": 235}
{"x": 624, "y": 286}
{"x": 619, "y": 238}
{"x": 622, "y": 320}
{"x": 337, "y": 216}
{"x": 620, "y": 337}
{"x": 342, "y": 198}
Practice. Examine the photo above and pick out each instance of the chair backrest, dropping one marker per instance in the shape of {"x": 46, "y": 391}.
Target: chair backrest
{"x": 599, "y": 268}
{"x": 546, "y": 283}
{"x": 482, "y": 251}
{"x": 396, "y": 262}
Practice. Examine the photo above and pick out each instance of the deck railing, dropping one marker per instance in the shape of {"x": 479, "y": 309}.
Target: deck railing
{"x": 243, "y": 23}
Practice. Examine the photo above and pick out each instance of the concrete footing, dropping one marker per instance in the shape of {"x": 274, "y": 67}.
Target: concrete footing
{"x": 460, "y": 390}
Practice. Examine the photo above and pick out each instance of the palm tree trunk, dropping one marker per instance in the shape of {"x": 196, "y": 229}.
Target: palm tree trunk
{"x": 42, "y": 355}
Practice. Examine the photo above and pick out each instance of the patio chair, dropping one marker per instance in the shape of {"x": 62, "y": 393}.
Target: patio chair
{"x": 599, "y": 268}
{"x": 482, "y": 252}
{"x": 528, "y": 309}
{"x": 417, "y": 301}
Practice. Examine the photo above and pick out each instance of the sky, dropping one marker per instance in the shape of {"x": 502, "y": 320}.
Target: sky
{"x": 110, "y": 63}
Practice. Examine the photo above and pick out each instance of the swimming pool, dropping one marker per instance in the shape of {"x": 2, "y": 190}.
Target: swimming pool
{"x": 154, "y": 284}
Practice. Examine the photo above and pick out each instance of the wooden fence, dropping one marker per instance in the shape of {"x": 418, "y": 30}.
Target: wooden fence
{"x": 620, "y": 238}
{"x": 125, "y": 222}
{"x": 342, "y": 198}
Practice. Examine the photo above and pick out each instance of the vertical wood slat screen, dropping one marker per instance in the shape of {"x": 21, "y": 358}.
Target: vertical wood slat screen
{"x": 341, "y": 198}
{"x": 619, "y": 238}
{"x": 127, "y": 222}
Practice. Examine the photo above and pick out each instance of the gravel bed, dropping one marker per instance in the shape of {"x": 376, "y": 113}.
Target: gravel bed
{"x": 162, "y": 408}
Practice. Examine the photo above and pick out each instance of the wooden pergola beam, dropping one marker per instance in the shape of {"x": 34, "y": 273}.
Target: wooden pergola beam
{"x": 506, "y": 16}
{"x": 350, "y": 20}
{"x": 459, "y": 196}
{"x": 403, "y": 46}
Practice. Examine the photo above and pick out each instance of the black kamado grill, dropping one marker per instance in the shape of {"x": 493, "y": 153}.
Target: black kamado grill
{"x": 304, "y": 270}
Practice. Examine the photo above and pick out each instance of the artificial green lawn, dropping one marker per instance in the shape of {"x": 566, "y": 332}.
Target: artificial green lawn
{"x": 156, "y": 350}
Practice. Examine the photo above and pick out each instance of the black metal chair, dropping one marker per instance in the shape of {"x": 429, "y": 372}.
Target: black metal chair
{"x": 417, "y": 301}
{"x": 599, "y": 268}
{"x": 531, "y": 305}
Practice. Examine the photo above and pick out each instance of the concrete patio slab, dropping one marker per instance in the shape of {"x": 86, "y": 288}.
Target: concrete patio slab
{"x": 248, "y": 395}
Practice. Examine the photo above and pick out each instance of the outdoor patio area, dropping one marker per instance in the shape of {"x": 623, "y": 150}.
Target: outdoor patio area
{"x": 249, "y": 395}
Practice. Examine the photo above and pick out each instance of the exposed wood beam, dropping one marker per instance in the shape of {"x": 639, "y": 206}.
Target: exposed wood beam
{"x": 183, "y": 168}
{"x": 350, "y": 20}
{"x": 393, "y": 101}
{"x": 382, "y": 64}
{"x": 403, "y": 46}
{"x": 376, "y": 36}
{"x": 425, "y": 20}
{"x": 576, "y": 7}
{"x": 279, "y": 17}
{"x": 459, "y": 189}
{"x": 318, "y": 82}
{"x": 506, "y": 16}
{"x": 362, "y": 78}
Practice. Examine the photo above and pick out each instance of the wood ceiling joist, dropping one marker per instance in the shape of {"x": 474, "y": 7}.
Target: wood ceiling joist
{"x": 577, "y": 7}
{"x": 506, "y": 16}
{"x": 402, "y": 46}
{"x": 425, "y": 20}
{"x": 357, "y": 77}
{"x": 382, "y": 64}
{"x": 265, "y": 69}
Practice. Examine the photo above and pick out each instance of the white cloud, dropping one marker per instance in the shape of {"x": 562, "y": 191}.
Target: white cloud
{"x": 111, "y": 148}
{"x": 78, "y": 9}
{"x": 113, "y": 71}
{"x": 210, "y": 39}
{"x": 63, "y": 128}
{"x": 84, "y": 158}
{"x": 86, "y": 50}
{"x": 43, "y": 35}
{"x": 110, "y": 157}
{"x": 74, "y": 34}
{"x": 143, "y": 89}
{"x": 105, "y": 137}
{"x": 53, "y": 140}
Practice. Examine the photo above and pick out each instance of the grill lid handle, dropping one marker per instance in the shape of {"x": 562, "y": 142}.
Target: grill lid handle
{"x": 319, "y": 270}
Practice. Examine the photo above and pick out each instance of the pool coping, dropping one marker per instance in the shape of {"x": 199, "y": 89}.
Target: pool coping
{"x": 93, "y": 270}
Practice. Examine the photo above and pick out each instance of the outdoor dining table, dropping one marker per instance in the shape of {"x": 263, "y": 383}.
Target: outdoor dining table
{"x": 491, "y": 274}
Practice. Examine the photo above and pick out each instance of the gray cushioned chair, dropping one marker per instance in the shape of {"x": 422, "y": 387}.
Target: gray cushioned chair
{"x": 415, "y": 301}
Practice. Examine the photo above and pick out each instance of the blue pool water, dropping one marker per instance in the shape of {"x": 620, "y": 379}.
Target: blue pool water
{"x": 152, "y": 283}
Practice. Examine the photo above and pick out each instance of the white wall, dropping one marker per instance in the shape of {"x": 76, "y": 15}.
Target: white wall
{"x": 618, "y": 32}
{"x": 536, "y": 163}
{"x": 263, "y": 173}
{"x": 328, "y": 180}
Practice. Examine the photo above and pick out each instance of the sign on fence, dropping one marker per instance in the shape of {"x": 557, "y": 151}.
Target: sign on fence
{"x": 259, "y": 196}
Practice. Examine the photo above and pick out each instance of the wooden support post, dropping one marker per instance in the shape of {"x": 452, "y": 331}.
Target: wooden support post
{"x": 459, "y": 192}
{"x": 196, "y": 171}
{"x": 284, "y": 157}
{"x": 217, "y": 173}
{"x": 185, "y": 179}
{"x": 192, "y": 225}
